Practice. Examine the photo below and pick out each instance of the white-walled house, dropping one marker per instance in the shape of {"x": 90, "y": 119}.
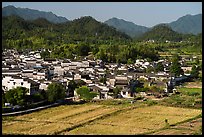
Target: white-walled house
{"x": 43, "y": 85}
{"x": 10, "y": 82}
{"x": 59, "y": 70}
{"x": 27, "y": 73}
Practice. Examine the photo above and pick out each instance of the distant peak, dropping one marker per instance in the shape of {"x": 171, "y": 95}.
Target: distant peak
{"x": 9, "y": 6}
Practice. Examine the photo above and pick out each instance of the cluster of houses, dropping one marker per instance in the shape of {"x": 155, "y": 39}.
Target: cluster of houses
{"x": 35, "y": 73}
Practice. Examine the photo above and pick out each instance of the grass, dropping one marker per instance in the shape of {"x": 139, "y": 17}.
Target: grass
{"x": 188, "y": 98}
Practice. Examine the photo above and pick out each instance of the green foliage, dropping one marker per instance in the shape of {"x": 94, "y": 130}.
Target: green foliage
{"x": 141, "y": 89}
{"x": 159, "y": 67}
{"x": 16, "y": 96}
{"x": 161, "y": 33}
{"x": 116, "y": 92}
{"x": 149, "y": 69}
{"x": 139, "y": 97}
{"x": 103, "y": 80}
{"x": 45, "y": 54}
{"x": 3, "y": 98}
{"x": 151, "y": 102}
{"x": 83, "y": 49}
{"x": 191, "y": 91}
{"x": 155, "y": 89}
{"x": 129, "y": 28}
{"x": 83, "y": 36}
{"x": 85, "y": 94}
{"x": 55, "y": 91}
{"x": 38, "y": 97}
{"x": 130, "y": 61}
{"x": 176, "y": 66}
{"x": 195, "y": 71}
{"x": 188, "y": 98}
{"x": 72, "y": 85}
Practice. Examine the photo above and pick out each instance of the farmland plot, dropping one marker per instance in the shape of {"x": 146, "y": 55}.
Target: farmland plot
{"x": 137, "y": 121}
{"x": 96, "y": 119}
{"x": 51, "y": 121}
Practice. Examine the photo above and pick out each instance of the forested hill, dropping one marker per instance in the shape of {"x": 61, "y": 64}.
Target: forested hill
{"x": 161, "y": 33}
{"x": 31, "y": 14}
{"x": 127, "y": 27}
{"x": 189, "y": 24}
{"x": 85, "y": 29}
{"x": 88, "y": 27}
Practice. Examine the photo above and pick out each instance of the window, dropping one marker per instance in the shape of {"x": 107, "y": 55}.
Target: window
{"x": 21, "y": 83}
{"x": 14, "y": 83}
{"x": 124, "y": 93}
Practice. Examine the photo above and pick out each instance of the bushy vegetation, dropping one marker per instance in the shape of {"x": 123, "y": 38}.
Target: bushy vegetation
{"x": 16, "y": 96}
{"x": 188, "y": 97}
{"x": 85, "y": 94}
{"x": 55, "y": 91}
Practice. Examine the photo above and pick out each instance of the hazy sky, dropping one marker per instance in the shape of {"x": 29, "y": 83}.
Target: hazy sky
{"x": 141, "y": 13}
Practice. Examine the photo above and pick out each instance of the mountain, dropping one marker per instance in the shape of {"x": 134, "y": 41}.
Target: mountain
{"x": 31, "y": 14}
{"x": 161, "y": 33}
{"x": 43, "y": 32}
{"x": 88, "y": 26}
{"x": 188, "y": 24}
{"x": 127, "y": 27}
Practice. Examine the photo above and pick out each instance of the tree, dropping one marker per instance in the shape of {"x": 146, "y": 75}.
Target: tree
{"x": 116, "y": 92}
{"x": 83, "y": 49}
{"x": 159, "y": 67}
{"x": 85, "y": 94}
{"x": 103, "y": 80}
{"x": 55, "y": 91}
{"x": 197, "y": 62}
{"x": 16, "y": 96}
{"x": 71, "y": 87}
{"x": 194, "y": 71}
{"x": 3, "y": 99}
{"x": 176, "y": 66}
{"x": 130, "y": 61}
{"x": 45, "y": 54}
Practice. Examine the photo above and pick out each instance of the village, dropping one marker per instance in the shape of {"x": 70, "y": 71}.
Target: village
{"x": 35, "y": 73}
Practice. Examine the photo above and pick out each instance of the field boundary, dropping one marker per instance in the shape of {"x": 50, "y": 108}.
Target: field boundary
{"x": 30, "y": 110}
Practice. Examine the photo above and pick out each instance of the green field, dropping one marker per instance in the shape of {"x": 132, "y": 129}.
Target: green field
{"x": 96, "y": 118}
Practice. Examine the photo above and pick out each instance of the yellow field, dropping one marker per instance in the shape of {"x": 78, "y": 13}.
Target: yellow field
{"x": 137, "y": 121}
{"x": 96, "y": 119}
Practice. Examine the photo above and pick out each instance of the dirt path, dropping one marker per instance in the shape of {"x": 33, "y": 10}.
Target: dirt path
{"x": 194, "y": 85}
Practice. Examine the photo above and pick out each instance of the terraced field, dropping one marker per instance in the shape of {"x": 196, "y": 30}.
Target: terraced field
{"x": 96, "y": 119}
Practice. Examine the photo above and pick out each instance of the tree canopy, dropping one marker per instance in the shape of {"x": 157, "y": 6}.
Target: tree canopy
{"x": 55, "y": 91}
{"x": 85, "y": 94}
{"x": 16, "y": 96}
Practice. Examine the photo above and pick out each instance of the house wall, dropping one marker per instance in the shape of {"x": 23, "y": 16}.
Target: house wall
{"x": 59, "y": 70}
{"x": 11, "y": 83}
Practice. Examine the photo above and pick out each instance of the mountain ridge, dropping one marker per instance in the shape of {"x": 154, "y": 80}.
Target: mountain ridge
{"x": 32, "y": 14}
{"x": 127, "y": 27}
{"x": 185, "y": 25}
{"x": 188, "y": 24}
